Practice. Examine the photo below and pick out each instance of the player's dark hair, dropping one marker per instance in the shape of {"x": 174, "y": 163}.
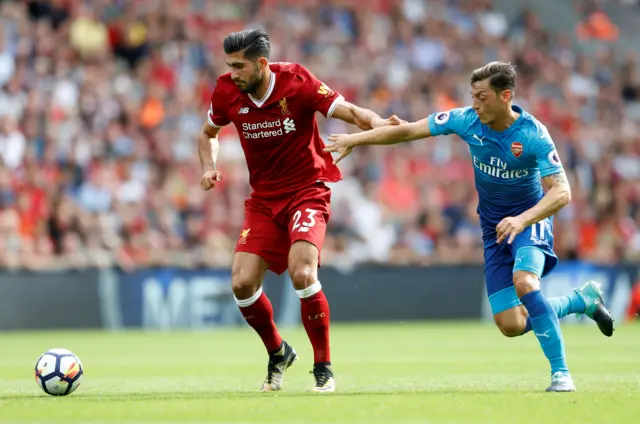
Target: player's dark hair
{"x": 501, "y": 75}
{"x": 254, "y": 42}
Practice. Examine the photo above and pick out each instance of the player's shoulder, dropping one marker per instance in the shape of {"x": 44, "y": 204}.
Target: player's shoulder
{"x": 467, "y": 113}
{"x": 225, "y": 88}
{"x": 225, "y": 80}
{"x": 533, "y": 128}
{"x": 291, "y": 71}
{"x": 460, "y": 117}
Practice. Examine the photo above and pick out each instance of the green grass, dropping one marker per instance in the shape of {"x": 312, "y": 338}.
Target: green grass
{"x": 400, "y": 373}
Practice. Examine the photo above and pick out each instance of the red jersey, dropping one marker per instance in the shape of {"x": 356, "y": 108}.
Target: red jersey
{"x": 279, "y": 133}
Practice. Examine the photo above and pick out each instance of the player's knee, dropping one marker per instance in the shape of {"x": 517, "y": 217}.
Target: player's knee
{"x": 303, "y": 265}
{"x": 303, "y": 272}
{"x": 244, "y": 283}
{"x": 511, "y": 322}
{"x": 510, "y": 329}
{"x": 302, "y": 275}
{"x": 525, "y": 282}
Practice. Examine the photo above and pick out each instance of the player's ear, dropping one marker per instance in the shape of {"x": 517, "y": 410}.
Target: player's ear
{"x": 506, "y": 95}
{"x": 263, "y": 63}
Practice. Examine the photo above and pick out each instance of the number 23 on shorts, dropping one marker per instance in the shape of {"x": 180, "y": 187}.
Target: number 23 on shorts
{"x": 303, "y": 220}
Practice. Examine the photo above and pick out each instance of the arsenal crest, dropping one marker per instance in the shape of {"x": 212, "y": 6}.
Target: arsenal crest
{"x": 516, "y": 149}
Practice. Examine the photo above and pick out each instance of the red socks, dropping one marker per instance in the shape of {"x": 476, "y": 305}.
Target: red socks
{"x": 258, "y": 313}
{"x": 315, "y": 318}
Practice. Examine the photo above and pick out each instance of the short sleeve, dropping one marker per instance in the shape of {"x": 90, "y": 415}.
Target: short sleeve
{"x": 217, "y": 115}
{"x": 321, "y": 98}
{"x": 453, "y": 121}
{"x": 546, "y": 154}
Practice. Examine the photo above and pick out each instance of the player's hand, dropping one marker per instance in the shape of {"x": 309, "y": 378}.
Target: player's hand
{"x": 392, "y": 120}
{"x": 209, "y": 179}
{"x": 509, "y": 228}
{"x": 341, "y": 144}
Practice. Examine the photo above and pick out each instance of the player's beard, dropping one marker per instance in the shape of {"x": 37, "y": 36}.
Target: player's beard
{"x": 253, "y": 84}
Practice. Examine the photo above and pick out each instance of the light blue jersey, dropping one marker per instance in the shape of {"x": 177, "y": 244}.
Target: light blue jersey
{"x": 508, "y": 164}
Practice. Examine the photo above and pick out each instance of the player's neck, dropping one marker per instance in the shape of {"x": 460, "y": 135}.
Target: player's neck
{"x": 504, "y": 122}
{"x": 264, "y": 85}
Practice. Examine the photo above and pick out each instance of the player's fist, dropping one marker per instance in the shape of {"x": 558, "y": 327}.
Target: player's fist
{"x": 209, "y": 179}
{"x": 509, "y": 228}
{"x": 341, "y": 144}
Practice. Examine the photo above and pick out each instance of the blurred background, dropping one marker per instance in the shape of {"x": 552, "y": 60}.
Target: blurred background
{"x": 101, "y": 102}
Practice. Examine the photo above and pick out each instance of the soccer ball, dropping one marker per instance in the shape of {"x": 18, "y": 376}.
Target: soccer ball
{"x": 58, "y": 372}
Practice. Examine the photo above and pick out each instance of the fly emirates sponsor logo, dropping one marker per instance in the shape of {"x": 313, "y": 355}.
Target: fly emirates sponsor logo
{"x": 498, "y": 168}
{"x": 268, "y": 129}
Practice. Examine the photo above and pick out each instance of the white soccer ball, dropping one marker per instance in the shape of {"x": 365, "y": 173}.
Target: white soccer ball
{"x": 58, "y": 372}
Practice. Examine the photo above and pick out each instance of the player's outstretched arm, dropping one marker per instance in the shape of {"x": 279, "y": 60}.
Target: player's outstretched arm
{"x": 558, "y": 196}
{"x": 364, "y": 119}
{"x": 208, "y": 148}
{"x": 389, "y": 134}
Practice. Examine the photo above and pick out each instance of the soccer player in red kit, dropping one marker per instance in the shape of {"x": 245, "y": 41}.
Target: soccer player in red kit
{"x": 273, "y": 107}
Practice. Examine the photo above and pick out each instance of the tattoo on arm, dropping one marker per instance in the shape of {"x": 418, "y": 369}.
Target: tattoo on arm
{"x": 555, "y": 180}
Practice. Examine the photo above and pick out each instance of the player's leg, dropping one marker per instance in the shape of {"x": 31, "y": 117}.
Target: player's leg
{"x": 247, "y": 273}
{"x": 529, "y": 266}
{"x": 314, "y": 308}
{"x": 513, "y": 322}
{"x": 254, "y": 255}
{"x": 307, "y": 226}
{"x": 508, "y": 313}
{"x": 587, "y": 300}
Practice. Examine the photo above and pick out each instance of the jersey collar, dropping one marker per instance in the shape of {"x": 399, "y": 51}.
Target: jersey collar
{"x": 263, "y": 100}
{"x": 488, "y": 130}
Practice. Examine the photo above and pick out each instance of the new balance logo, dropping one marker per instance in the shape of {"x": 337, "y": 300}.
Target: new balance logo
{"x": 289, "y": 125}
{"x": 545, "y": 334}
{"x": 243, "y": 111}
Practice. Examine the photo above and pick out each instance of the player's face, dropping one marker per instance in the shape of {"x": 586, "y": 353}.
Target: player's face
{"x": 487, "y": 103}
{"x": 246, "y": 74}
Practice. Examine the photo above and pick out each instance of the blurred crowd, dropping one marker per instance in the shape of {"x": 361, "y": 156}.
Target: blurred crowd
{"x": 101, "y": 102}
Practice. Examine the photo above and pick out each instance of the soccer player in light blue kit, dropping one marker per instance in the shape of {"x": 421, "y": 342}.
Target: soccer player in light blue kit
{"x": 513, "y": 158}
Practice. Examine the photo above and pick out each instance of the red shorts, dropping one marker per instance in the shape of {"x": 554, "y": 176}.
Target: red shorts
{"x": 271, "y": 226}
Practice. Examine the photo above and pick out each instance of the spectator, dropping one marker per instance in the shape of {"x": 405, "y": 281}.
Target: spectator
{"x": 100, "y": 105}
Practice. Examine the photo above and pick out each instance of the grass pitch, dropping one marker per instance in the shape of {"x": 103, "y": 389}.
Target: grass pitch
{"x": 440, "y": 373}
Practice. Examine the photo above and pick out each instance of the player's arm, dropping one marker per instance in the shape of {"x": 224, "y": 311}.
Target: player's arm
{"x": 453, "y": 121}
{"x": 208, "y": 146}
{"x": 364, "y": 119}
{"x": 385, "y": 135}
{"x": 321, "y": 98}
{"x": 554, "y": 181}
{"x": 558, "y": 196}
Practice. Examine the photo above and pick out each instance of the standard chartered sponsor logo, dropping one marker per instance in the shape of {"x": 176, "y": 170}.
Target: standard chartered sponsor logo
{"x": 268, "y": 129}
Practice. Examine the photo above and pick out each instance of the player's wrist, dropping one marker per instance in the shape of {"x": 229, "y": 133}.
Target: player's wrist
{"x": 527, "y": 219}
{"x": 209, "y": 167}
{"x": 352, "y": 140}
{"x": 377, "y": 122}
